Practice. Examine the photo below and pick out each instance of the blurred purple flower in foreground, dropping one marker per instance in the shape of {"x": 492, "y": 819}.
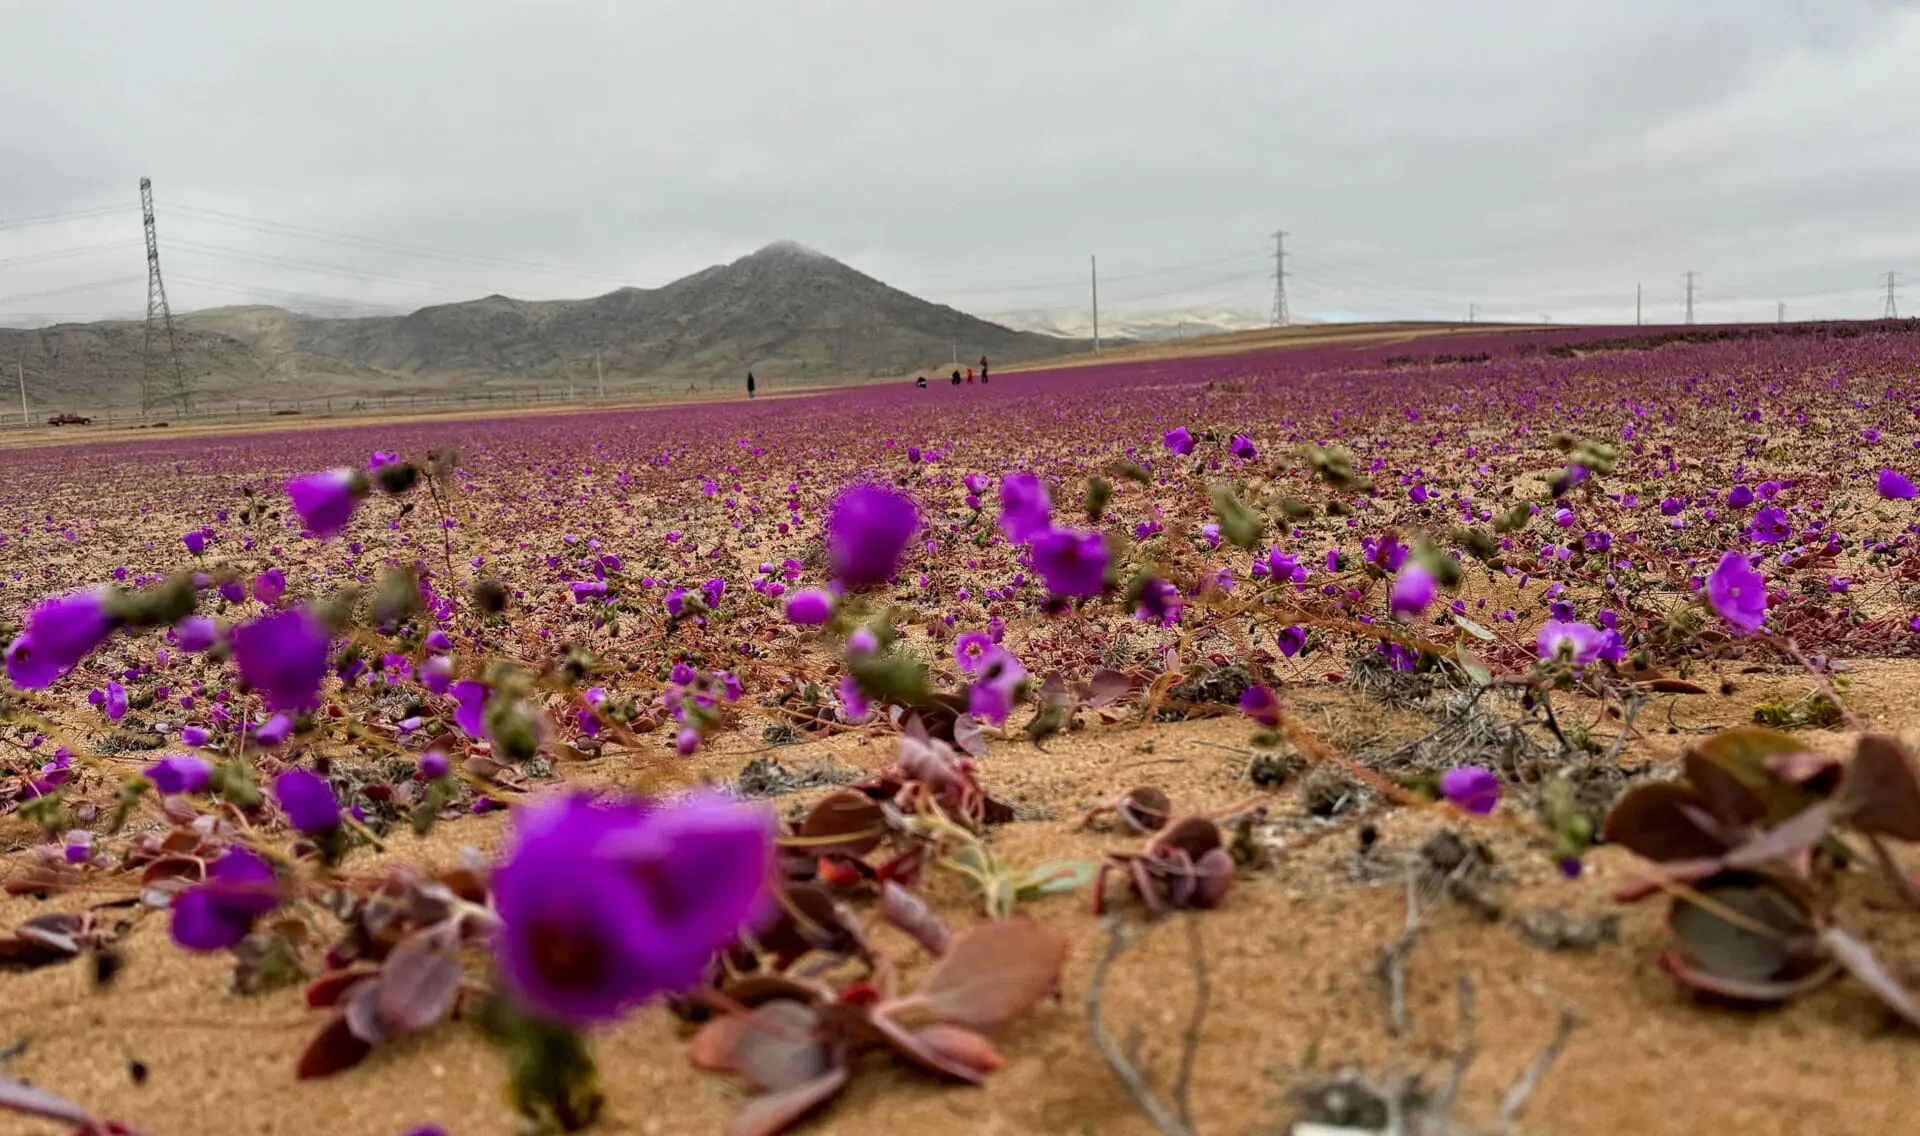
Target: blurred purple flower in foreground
{"x": 866, "y": 532}
{"x": 1471, "y": 788}
{"x": 606, "y": 904}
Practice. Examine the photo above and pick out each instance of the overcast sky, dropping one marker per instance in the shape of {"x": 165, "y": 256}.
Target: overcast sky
{"x": 1533, "y": 157}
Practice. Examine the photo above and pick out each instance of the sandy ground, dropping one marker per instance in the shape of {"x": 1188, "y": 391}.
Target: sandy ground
{"x": 1290, "y": 957}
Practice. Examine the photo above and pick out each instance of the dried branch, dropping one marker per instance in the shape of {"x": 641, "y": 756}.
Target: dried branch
{"x": 1516, "y": 1097}
{"x": 1190, "y": 1038}
{"x": 1393, "y": 959}
{"x": 1136, "y": 1086}
{"x": 1462, "y": 1061}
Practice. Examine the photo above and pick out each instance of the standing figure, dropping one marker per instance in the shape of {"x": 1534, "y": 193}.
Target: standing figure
{"x": 956, "y": 376}
{"x": 921, "y": 382}
{"x": 983, "y": 369}
{"x": 749, "y": 384}
{"x": 969, "y": 374}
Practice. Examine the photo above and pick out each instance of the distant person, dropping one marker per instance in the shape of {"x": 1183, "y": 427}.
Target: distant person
{"x": 983, "y": 369}
{"x": 969, "y": 376}
{"x": 749, "y": 384}
{"x": 921, "y": 382}
{"x": 956, "y": 376}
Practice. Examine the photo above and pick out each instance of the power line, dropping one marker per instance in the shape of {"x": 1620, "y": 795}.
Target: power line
{"x": 51, "y": 218}
{"x": 66, "y": 253}
{"x": 90, "y": 286}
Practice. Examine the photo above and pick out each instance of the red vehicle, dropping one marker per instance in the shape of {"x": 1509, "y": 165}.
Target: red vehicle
{"x": 69, "y": 420}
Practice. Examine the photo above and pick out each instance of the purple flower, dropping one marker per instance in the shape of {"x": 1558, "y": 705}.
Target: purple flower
{"x": 307, "y": 801}
{"x": 179, "y": 773}
{"x": 1769, "y": 525}
{"x": 381, "y": 458}
{"x": 325, "y": 500}
{"x": 1597, "y": 540}
{"x": 1895, "y": 487}
{"x": 1411, "y": 593}
{"x": 1576, "y": 643}
{"x": 116, "y": 702}
{"x": 432, "y": 766}
{"x": 1672, "y": 507}
{"x": 216, "y": 914}
{"x": 1739, "y": 497}
{"x": 1291, "y": 640}
{"x": 436, "y": 674}
{"x": 866, "y": 532}
{"x": 1026, "y": 510}
{"x": 584, "y": 590}
{"x": 1260, "y": 704}
{"x": 274, "y": 730}
{"x": 810, "y": 608}
{"x": 1471, "y": 788}
{"x": 193, "y": 736}
{"x": 996, "y": 686}
{"x": 196, "y": 542}
{"x": 970, "y": 649}
{"x": 58, "y": 634}
{"x": 233, "y": 591}
{"x": 1738, "y": 593}
{"x": 1242, "y": 448}
{"x": 269, "y": 586}
{"x": 470, "y": 712}
{"x": 852, "y": 699}
{"x": 687, "y": 741}
{"x": 196, "y": 633}
{"x": 605, "y": 905}
{"x": 1160, "y": 602}
{"x": 1179, "y": 440}
{"x": 284, "y": 657}
{"x": 1073, "y": 563}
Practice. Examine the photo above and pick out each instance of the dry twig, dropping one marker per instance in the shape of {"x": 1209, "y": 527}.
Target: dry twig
{"x": 1516, "y": 1098}
{"x": 1170, "y": 1125}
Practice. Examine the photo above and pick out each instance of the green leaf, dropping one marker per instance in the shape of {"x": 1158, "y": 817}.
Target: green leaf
{"x": 1473, "y": 629}
{"x": 1470, "y": 663}
{"x": 1057, "y": 878}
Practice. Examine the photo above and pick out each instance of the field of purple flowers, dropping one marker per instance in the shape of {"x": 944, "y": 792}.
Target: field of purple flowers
{"x": 840, "y": 746}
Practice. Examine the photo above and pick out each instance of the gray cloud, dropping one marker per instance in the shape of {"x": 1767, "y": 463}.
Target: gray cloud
{"x": 1523, "y": 156}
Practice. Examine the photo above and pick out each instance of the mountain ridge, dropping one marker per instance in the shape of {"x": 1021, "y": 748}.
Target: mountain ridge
{"x": 791, "y": 314}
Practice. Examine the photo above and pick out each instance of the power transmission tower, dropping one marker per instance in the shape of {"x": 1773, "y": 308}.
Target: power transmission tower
{"x": 158, "y": 311}
{"x": 1893, "y": 308}
{"x": 1783, "y": 311}
{"x": 1473, "y": 313}
{"x": 1093, "y": 266}
{"x": 1690, "y": 276}
{"x": 1636, "y": 305}
{"x": 1281, "y": 317}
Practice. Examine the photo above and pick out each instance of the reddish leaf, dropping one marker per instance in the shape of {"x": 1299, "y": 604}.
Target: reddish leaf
{"x": 333, "y": 1050}
{"x": 786, "y": 1054}
{"x": 776, "y": 1112}
{"x": 360, "y": 1008}
{"x": 1730, "y": 771}
{"x": 1861, "y": 963}
{"x": 417, "y": 987}
{"x": 329, "y": 988}
{"x": 1789, "y": 842}
{"x": 23, "y": 1098}
{"x": 1815, "y": 772}
{"x": 712, "y": 1045}
{"x": 1650, "y": 821}
{"x": 993, "y": 973}
{"x": 910, "y": 913}
{"x": 962, "y": 1046}
{"x": 908, "y": 1044}
{"x": 1146, "y": 809}
{"x": 847, "y": 813}
{"x": 1882, "y": 789}
{"x": 1674, "y": 686}
{"x": 1764, "y": 993}
{"x": 968, "y": 737}
{"x": 1732, "y": 952}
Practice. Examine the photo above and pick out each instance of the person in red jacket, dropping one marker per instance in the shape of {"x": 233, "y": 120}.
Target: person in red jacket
{"x": 969, "y": 374}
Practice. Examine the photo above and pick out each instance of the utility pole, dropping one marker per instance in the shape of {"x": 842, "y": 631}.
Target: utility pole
{"x": 1093, "y": 263}
{"x": 1473, "y": 313}
{"x": 20, "y": 372}
{"x": 1636, "y": 305}
{"x": 599, "y": 375}
{"x": 158, "y": 313}
{"x": 1893, "y": 308}
{"x": 1783, "y": 312}
{"x": 1281, "y": 317}
{"x": 1690, "y": 276}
